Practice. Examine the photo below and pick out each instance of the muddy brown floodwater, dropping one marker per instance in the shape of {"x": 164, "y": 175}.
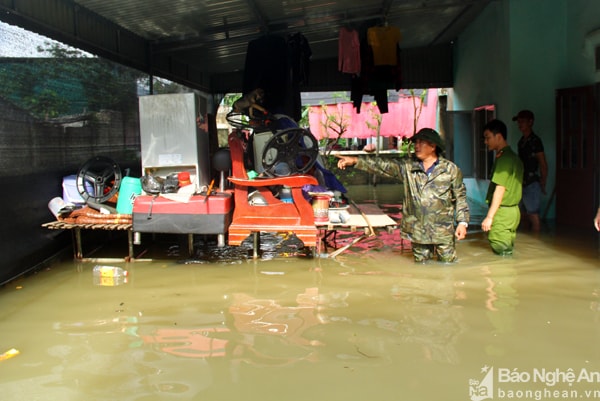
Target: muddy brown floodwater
{"x": 367, "y": 325}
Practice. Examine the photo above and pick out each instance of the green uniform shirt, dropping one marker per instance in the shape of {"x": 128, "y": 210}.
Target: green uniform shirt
{"x": 507, "y": 171}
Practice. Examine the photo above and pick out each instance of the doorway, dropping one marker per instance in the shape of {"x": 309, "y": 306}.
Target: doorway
{"x": 577, "y": 153}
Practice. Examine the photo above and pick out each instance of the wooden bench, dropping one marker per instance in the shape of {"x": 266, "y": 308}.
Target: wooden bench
{"x": 77, "y": 227}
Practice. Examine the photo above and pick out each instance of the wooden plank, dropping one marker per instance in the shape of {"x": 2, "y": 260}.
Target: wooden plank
{"x": 376, "y": 217}
{"x": 61, "y": 225}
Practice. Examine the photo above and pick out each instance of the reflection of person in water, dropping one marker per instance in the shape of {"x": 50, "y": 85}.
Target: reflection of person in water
{"x": 255, "y": 318}
{"x": 501, "y": 305}
{"x": 430, "y": 314}
{"x": 426, "y": 317}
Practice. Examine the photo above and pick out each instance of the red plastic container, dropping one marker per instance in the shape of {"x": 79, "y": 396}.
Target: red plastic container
{"x": 198, "y": 216}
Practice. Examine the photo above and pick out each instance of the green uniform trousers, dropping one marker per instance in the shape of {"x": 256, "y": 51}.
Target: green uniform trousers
{"x": 503, "y": 232}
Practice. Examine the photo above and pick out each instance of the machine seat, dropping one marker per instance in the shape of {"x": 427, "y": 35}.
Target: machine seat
{"x": 275, "y": 216}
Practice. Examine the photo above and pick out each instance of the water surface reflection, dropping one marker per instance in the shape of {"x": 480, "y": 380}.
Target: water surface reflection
{"x": 369, "y": 324}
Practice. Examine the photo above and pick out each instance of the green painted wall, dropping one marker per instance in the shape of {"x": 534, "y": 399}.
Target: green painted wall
{"x": 517, "y": 54}
{"x": 583, "y": 18}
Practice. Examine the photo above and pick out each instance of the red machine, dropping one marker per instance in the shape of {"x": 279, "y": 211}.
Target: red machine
{"x": 273, "y": 214}
{"x": 172, "y": 144}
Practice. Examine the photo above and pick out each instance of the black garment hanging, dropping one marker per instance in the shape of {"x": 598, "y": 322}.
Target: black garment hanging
{"x": 374, "y": 79}
{"x": 300, "y": 53}
{"x": 267, "y": 67}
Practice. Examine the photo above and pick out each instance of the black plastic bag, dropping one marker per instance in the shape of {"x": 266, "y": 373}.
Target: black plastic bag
{"x": 171, "y": 184}
{"x": 151, "y": 184}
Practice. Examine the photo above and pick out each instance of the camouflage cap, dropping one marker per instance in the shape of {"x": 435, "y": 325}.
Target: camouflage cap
{"x": 429, "y": 135}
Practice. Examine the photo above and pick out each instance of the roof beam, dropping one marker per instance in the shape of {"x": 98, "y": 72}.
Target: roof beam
{"x": 262, "y": 23}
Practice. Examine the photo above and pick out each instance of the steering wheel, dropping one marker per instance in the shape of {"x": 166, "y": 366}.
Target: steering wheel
{"x": 291, "y": 151}
{"x": 98, "y": 179}
{"x": 238, "y": 120}
{"x": 244, "y": 121}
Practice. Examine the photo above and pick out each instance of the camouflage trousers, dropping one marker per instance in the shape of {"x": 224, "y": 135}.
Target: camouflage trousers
{"x": 445, "y": 252}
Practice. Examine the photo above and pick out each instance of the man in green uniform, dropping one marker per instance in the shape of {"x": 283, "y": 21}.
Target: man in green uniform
{"x": 504, "y": 192}
{"x": 435, "y": 196}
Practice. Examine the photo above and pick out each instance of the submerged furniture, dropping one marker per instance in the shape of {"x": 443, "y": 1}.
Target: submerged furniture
{"x": 365, "y": 219}
{"x": 76, "y": 234}
{"x": 272, "y": 214}
{"x": 173, "y": 142}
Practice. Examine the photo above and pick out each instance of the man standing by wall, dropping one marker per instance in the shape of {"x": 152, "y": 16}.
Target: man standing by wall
{"x": 504, "y": 192}
{"x": 531, "y": 153}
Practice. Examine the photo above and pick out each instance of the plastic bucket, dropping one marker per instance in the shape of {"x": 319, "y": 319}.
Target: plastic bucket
{"x": 56, "y": 205}
{"x": 320, "y": 205}
{"x": 129, "y": 189}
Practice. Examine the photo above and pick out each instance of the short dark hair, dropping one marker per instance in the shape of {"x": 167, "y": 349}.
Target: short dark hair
{"x": 496, "y": 127}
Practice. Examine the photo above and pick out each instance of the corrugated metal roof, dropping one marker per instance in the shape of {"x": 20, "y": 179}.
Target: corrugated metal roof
{"x": 189, "y": 40}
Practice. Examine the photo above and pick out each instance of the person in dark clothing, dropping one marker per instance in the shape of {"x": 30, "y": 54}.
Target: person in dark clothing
{"x": 531, "y": 153}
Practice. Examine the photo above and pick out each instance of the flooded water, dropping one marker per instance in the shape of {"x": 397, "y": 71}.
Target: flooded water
{"x": 367, "y": 325}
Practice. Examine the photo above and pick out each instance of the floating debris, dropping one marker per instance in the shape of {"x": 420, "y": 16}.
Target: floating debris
{"x": 9, "y": 354}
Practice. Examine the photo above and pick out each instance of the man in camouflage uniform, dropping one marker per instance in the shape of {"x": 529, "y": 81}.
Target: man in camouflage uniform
{"x": 435, "y": 195}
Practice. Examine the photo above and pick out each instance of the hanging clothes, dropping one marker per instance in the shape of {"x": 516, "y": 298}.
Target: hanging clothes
{"x": 359, "y": 84}
{"x": 348, "y": 51}
{"x": 380, "y": 66}
{"x": 278, "y": 65}
{"x": 300, "y": 53}
{"x": 267, "y": 67}
{"x": 384, "y": 40}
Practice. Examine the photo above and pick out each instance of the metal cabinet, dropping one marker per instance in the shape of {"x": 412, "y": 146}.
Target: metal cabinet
{"x": 170, "y": 138}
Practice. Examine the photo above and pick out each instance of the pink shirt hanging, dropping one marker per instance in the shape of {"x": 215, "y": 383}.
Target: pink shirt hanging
{"x": 349, "y": 51}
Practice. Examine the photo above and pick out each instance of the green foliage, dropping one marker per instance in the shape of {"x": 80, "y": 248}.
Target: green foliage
{"x": 163, "y": 86}
{"x": 47, "y": 103}
{"x": 406, "y": 147}
{"x": 230, "y": 98}
{"x": 417, "y": 107}
{"x": 304, "y": 122}
{"x": 68, "y": 82}
{"x": 336, "y": 124}
{"x": 376, "y": 115}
